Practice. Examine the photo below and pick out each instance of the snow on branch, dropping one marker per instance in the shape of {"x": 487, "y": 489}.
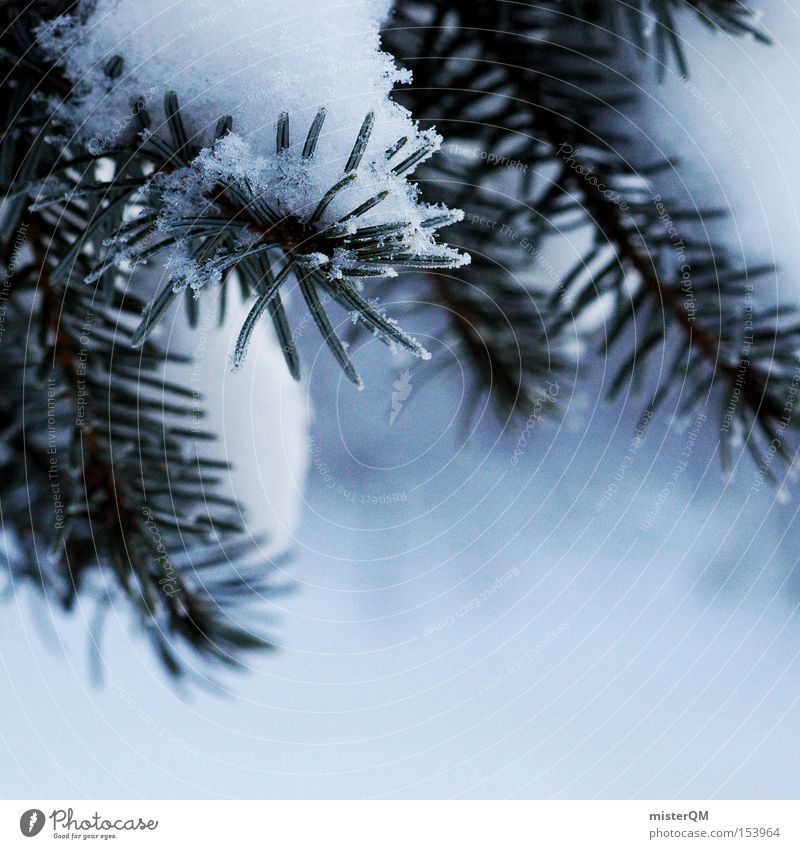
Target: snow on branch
{"x": 217, "y": 98}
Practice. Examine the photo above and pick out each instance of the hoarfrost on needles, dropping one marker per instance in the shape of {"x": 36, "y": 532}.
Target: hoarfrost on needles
{"x": 252, "y": 60}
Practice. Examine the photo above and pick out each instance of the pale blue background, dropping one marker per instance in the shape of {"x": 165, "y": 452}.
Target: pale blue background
{"x": 677, "y": 676}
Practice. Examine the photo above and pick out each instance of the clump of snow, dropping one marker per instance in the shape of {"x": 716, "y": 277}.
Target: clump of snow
{"x": 252, "y": 60}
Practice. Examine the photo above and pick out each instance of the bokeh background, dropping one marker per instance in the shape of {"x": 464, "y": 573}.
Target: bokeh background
{"x": 462, "y": 625}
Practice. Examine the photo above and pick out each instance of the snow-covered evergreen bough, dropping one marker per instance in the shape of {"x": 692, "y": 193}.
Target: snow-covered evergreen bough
{"x": 156, "y": 152}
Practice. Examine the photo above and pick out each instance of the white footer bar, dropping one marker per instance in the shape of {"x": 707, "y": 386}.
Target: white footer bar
{"x": 402, "y": 824}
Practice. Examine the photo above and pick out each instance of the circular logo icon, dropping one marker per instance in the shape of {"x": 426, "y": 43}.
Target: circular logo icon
{"x": 31, "y": 822}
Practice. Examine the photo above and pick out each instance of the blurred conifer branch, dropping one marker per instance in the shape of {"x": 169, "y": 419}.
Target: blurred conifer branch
{"x": 108, "y": 487}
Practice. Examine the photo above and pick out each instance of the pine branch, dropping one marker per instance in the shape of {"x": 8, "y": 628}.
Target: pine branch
{"x": 105, "y": 490}
{"x": 233, "y": 227}
{"x": 129, "y": 472}
{"x": 653, "y": 24}
{"x": 546, "y": 106}
{"x": 114, "y": 489}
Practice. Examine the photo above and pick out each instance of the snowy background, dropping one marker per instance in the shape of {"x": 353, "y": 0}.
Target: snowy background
{"x": 465, "y": 626}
